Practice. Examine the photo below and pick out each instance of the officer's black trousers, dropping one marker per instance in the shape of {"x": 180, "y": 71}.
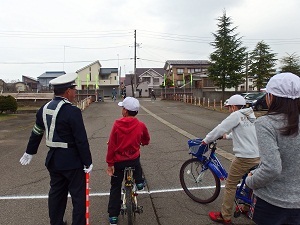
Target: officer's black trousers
{"x": 114, "y": 204}
{"x": 62, "y": 182}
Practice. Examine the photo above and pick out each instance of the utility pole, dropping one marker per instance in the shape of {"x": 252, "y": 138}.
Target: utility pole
{"x": 64, "y": 58}
{"x": 134, "y": 70}
{"x": 247, "y": 73}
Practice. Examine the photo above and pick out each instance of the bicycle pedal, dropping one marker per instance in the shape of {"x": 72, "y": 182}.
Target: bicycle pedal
{"x": 139, "y": 209}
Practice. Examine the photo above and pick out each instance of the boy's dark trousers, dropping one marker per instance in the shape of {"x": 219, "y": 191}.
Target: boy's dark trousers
{"x": 114, "y": 204}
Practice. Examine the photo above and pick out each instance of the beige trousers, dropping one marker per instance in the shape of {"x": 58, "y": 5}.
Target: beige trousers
{"x": 238, "y": 168}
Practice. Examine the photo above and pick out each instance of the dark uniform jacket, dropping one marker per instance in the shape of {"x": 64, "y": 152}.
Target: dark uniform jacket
{"x": 70, "y": 129}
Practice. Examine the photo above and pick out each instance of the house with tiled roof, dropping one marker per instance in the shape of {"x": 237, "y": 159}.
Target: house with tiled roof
{"x": 31, "y": 83}
{"x": 188, "y": 73}
{"x": 45, "y": 78}
{"x": 147, "y": 79}
{"x": 88, "y": 76}
{"x": 94, "y": 77}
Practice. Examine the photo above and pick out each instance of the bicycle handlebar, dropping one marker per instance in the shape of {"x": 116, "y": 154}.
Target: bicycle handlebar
{"x": 213, "y": 146}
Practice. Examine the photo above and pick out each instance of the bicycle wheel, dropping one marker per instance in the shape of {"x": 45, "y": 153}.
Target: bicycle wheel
{"x": 200, "y": 184}
{"x": 129, "y": 205}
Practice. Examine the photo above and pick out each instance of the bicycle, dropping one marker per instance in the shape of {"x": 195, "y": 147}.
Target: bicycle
{"x": 200, "y": 176}
{"x": 130, "y": 205}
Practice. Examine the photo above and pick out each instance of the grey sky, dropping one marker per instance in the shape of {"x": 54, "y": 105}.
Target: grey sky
{"x": 38, "y": 35}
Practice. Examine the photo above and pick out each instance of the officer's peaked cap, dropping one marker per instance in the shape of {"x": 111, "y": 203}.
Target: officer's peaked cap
{"x": 64, "y": 81}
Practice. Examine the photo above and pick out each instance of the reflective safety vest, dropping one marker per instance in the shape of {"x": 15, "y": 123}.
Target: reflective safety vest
{"x": 50, "y": 112}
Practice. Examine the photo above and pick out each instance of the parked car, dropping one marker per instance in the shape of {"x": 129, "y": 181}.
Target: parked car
{"x": 257, "y": 101}
{"x": 243, "y": 95}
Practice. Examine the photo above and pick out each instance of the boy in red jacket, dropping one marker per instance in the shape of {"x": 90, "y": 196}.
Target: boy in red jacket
{"x": 126, "y": 136}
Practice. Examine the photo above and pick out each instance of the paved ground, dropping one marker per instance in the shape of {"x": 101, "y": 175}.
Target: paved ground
{"x": 24, "y": 189}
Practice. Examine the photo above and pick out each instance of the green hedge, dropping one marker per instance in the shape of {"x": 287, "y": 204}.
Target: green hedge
{"x": 8, "y": 104}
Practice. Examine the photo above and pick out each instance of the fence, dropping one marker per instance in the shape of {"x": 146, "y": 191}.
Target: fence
{"x": 83, "y": 104}
{"x": 197, "y": 101}
{"x": 201, "y": 97}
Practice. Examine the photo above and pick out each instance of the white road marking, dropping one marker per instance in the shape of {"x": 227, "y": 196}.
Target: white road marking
{"x": 16, "y": 197}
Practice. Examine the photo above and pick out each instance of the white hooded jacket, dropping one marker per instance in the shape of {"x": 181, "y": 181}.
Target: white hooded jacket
{"x": 243, "y": 134}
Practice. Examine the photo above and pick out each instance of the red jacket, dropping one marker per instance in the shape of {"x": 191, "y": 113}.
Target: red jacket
{"x": 126, "y": 136}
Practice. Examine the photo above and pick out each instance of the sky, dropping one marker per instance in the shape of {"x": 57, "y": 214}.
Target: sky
{"x": 66, "y": 35}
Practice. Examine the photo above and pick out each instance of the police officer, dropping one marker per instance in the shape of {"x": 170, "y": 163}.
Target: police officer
{"x": 69, "y": 156}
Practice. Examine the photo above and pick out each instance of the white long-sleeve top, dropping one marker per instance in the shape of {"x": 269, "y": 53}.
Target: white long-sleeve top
{"x": 243, "y": 134}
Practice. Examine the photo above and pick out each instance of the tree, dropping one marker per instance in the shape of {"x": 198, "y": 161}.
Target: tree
{"x": 227, "y": 61}
{"x": 262, "y": 64}
{"x": 8, "y": 103}
{"x": 132, "y": 80}
{"x": 169, "y": 83}
{"x": 291, "y": 63}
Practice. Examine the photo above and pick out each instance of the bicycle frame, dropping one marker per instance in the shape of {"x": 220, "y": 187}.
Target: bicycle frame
{"x": 243, "y": 192}
{"x": 128, "y": 176}
{"x": 129, "y": 182}
{"x": 213, "y": 162}
{"x": 129, "y": 186}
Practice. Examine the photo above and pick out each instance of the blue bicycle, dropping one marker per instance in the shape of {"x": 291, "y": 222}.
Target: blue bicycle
{"x": 200, "y": 176}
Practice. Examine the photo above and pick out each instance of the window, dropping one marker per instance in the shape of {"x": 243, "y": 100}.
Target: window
{"x": 179, "y": 71}
{"x": 155, "y": 80}
{"x": 197, "y": 70}
{"x": 191, "y": 70}
{"x": 146, "y": 79}
{"x": 179, "y": 83}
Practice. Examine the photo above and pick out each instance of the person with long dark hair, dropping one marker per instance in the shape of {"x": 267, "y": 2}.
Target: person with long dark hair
{"x": 275, "y": 182}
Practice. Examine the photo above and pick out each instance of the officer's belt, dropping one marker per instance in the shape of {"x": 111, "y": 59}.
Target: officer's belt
{"x": 60, "y": 145}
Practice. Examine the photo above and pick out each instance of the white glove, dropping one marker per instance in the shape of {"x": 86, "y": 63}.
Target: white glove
{"x": 88, "y": 169}
{"x": 25, "y": 159}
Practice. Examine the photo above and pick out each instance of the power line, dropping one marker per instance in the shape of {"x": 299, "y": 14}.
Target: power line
{"x": 73, "y": 47}
{"x": 128, "y": 33}
{"x": 81, "y": 34}
{"x": 59, "y": 62}
{"x": 204, "y": 39}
